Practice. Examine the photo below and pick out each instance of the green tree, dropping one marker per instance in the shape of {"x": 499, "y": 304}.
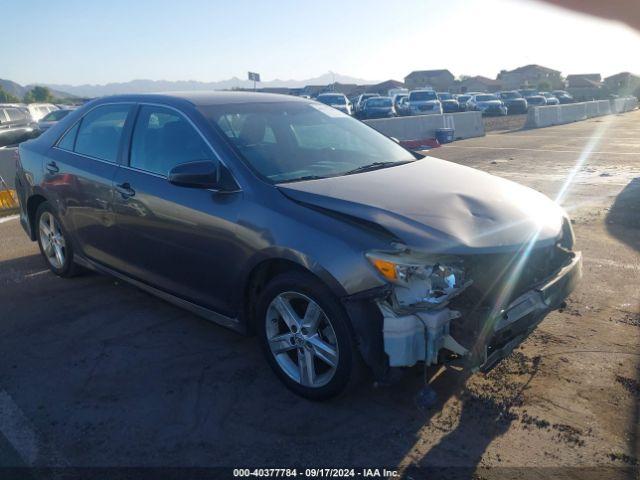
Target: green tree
{"x": 6, "y": 97}
{"x": 38, "y": 94}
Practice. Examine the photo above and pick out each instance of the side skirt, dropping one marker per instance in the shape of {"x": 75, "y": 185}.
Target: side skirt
{"x": 207, "y": 314}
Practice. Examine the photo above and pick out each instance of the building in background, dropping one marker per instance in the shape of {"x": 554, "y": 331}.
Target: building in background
{"x": 383, "y": 88}
{"x": 585, "y": 86}
{"x": 479, "y": 84}
{"x": 623, "y": 83}
{"x": 440, "y": 80}
{"x": 532, "y": 76}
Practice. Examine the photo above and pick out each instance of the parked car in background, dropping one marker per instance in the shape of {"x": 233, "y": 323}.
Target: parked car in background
{"x": 550, "y": 98}
{"x": 462, "y": 101}
{"x": 360, "y": 102}
{"x": 536, "y": 100}
{"x": 397, "y": 91}
{"x": 563, "y": 96}
{"x": 39, "y": 110}
{"x": 15, "y": 125}
{"x": 336, "y": 100}
{"x": 487, "y": 103}
{"x": 378, "y": 107}
{"x": 514, "y": 101}
{"x": 528, "y": 92}
{"x": 52, "y": 118}
{"x": 449, "y": 103}
{"x": 424, "y": 102}
{"x": 278, "y": 217}
{"x": 401, "y": 105}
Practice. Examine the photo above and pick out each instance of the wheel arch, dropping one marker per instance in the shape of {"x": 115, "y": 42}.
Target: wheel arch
{"x": 33, "y": 203}
{"x": 267, "y": 266}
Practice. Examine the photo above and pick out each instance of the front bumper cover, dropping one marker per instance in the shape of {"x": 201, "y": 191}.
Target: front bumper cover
{"x": 523, "y": 315}
{"x": 502, "y": 333}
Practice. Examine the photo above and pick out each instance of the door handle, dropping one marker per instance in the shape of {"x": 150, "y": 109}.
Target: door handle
{"x": 125, "y": 190}
{"x": 52, "y": 167}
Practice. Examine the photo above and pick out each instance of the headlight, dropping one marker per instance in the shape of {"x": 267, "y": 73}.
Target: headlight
{"x": 420, "y": 279}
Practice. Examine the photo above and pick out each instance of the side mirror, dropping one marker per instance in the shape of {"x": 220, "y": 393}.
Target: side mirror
{"x": 197, "y": 174}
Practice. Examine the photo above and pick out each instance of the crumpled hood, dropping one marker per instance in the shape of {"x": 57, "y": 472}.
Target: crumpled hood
{"x": 437, "y": 206}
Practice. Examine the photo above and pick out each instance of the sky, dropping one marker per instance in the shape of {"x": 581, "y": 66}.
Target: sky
{"x": 101, "y": 41}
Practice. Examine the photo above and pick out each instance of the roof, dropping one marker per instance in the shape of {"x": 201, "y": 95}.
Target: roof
{"x": 527, "y": 68}
{"x": 583, "y": 82}
{"x": 432, "y": 73}
{"x": 481, "y": 79}
{"x": 204, "y": 98}
{"x": 590, "y": 76}
{"x": 621, "y": 75}
{"x": 387, "y": 83}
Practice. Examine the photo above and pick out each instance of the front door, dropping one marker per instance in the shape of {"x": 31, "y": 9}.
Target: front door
{"x": 181, "y": 240}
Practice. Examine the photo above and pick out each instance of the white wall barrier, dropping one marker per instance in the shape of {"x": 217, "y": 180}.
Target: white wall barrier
{"x": 574, "y": 112}
{"x": 420, "y": 127}
{"x": 624, "y": 104}
{"x": 7, "y": 166}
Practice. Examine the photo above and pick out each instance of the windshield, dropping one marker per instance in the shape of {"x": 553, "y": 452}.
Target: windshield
{"x": 379, "y": 102}
{"x": 445, "y": 96}
{"x": 332, "y": 99}
{"x": 289, "y": 141}
{"x": 510, "y": 95}
{"x": 485, "y": 98}
{"x": 463, "y": 98}
{"x": 422, "y": 96}
{"x": 55, "y": 115}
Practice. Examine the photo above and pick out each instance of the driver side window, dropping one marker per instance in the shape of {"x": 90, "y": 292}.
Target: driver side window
{"x": 162, "y": 139}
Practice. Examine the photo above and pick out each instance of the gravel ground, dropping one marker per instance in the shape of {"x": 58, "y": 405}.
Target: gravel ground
{"x": 95, "y": 373}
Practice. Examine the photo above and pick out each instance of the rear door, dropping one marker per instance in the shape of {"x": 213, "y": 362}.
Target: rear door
{"x": 180, "y": 240}
{"x": 79, "y": 175}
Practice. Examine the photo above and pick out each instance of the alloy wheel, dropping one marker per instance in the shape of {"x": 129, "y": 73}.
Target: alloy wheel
{"x": 302, "y": 339}
{"x": 52, "y": 240}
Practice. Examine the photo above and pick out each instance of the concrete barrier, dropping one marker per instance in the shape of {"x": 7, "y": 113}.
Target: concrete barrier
{"x": 592, "y": 109}
{"x": 419, "y": 127}
{"x": 464, "y": 124}
{"x": 8, "y": 166}
{"x": 574, "y": 112}
{"x": 604, "y": 107}
{"x": 623, "y": 104}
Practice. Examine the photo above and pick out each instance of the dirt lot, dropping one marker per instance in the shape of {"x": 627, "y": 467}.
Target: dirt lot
{"x": 96, "y": 373}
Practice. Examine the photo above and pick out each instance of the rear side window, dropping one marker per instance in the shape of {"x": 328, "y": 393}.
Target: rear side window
{"x": 68, "y": 141}
{"x": 162, "y": 139}
{"x": 100, "y": 132}
{"x": 15, "y": 115}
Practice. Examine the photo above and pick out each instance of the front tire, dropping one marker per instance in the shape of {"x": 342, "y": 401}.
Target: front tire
{"x": 54, "y": 242}
{"x": 306, "y": 336}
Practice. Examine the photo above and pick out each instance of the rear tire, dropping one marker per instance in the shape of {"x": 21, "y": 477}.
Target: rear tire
{"x": 306, "y": 336}
{"x": 54, "y": 242}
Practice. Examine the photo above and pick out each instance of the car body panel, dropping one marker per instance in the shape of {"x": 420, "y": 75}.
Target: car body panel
{"x": 460, "y": 209}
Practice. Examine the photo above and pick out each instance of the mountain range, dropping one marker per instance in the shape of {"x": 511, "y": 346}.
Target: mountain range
{"x": 20, "y": 91}
{"x": 150, "y": 86}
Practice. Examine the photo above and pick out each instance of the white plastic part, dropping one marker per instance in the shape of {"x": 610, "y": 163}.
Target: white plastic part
{"x": 409, "y": 339}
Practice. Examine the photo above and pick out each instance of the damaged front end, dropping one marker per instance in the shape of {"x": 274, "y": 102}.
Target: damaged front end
{"x": 416, "y": 319}
{"x": 471, "y": 311}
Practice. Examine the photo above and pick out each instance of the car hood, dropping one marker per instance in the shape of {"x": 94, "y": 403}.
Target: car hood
{"x": 437, "y": 206}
